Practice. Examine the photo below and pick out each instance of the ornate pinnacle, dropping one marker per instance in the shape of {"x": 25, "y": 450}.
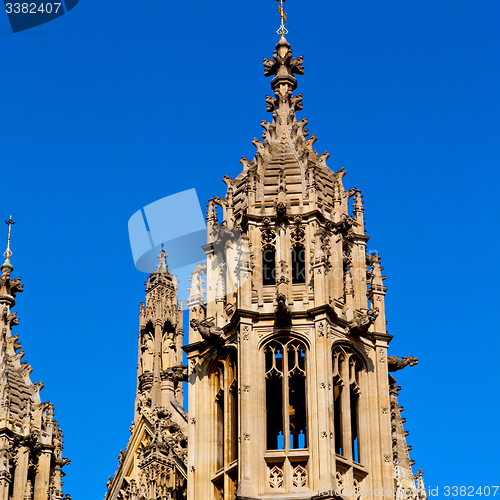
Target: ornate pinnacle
{"x": 282, "y": 30}
{"x": 7, "y": 254}
{"x": 162, "y": 266}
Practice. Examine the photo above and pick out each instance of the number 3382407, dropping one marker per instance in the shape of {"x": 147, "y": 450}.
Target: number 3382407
{"x": 32, "y": 8}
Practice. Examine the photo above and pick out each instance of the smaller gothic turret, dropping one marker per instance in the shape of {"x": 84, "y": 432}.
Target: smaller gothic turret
{"x": 153, "y": 465}
{"x": 31, "y": 441}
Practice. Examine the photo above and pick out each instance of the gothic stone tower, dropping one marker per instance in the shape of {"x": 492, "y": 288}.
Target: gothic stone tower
{"x": 288, "y": 368}
{"x": 153, "y": 466}
{"x": 31, "y": 441}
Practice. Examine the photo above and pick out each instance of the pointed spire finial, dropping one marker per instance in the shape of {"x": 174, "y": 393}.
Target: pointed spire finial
{"x": 282, "y": 30}
{"x": 7, "y": 254}
{"x": 162, "y": 266}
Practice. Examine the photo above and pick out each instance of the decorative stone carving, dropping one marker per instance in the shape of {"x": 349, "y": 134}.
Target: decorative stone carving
{"x": 282, "y": 315}
{"x": 361, "y": 323}
{"x": 395, "y": 363}
{"x": 210, "y": 332}
{"x": 299, "y": 477}
{"x": 246, "y": 332}
{"x": 276, "y": 477}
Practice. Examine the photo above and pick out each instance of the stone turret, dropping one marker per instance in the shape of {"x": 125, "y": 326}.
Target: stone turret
{"x": 153, "y": 465}
{"x": 31, "y": 441}
{"x": 290, "y": 391}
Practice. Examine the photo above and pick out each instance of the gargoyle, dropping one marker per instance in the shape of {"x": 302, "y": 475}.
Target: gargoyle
{"x": 282, "y": 315}
{"x": 270, "y": 66}
{"x": 394, "y": 363}
{"x": 362, "y": 323}
{"x": 344, "y": 225}
{"x": 179, "y": 373}
{"x": 209, "y": 332}
{"x": 16, "y": 286}
{"x": 297, "y": 65}
{"x": 220, "y": 201}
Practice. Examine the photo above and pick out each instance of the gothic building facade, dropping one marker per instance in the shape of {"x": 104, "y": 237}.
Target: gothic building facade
{"x": 290, "y": 394}
{"x": 31, "y": 441}
{"x": 290, "y": 391}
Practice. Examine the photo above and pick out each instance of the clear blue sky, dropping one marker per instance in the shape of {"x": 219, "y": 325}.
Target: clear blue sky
{"x": 118, "y": 104}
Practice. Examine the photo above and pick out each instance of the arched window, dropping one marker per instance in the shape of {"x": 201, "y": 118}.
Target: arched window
{"x": 268, "y": 241}
{"x": 226, "y": 431}
{"x": 298, "y": 264}
{"x": 286, "y": 394}
{"x": 347, "y": 368}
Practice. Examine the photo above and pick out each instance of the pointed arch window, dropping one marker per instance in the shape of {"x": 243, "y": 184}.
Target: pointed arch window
{"x": 268, "y": 239}
{"x": 347, "y": 374}
{"x": 298, "y": 264}
{"x": 226, "y": 429}
{"x": 286, "y": 394}
{"x": 269, "y": 267}
{"x": 297, "y": 238}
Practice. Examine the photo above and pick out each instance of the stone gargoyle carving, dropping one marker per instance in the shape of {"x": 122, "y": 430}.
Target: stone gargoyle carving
{"x": 179, "y": 372}
{"x": 16, "y": 286}
{"x": 208, "y": 331}
{"x": 362, "y": 323}
{"x": 345, "y": 225}
{"x": 282, "y": 315}
{"x": 394, "y": 363}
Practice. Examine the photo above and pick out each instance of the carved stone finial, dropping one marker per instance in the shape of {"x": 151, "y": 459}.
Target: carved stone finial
{"x": 162, "y": 265}
{"x": 7, "y": 254}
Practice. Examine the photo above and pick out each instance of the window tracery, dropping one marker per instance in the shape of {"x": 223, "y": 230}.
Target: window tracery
{"x": 226, "y": 407}
{"x": 285, "y": 374}
{"x": 347, "y": 369}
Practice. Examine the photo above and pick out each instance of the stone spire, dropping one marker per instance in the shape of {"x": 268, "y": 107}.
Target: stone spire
{"x": 153, "y": 465}
{"x": 31, "y": 441}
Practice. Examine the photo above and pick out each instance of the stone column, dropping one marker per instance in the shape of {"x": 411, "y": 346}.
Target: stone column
{"x": 322, "y": 390}
{"x": 21, "y": 473}
{"x": 167, "y": 388}
{"x": 42, "y": 476}
{"x": 248, "y": 417}
{"x": 5, "y": 477}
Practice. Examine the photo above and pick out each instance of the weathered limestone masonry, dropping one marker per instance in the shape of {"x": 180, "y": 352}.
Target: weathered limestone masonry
{"x": 290, "y": 393}
{"x": 31, "y": 441}
{"x": 153, "y": 465}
